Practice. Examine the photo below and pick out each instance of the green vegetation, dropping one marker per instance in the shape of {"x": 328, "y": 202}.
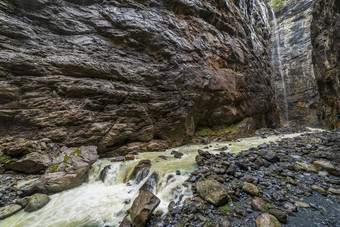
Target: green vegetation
{"x": 225, "y": 209}
{"x": 238, "y": 206}
{"x": 194, "y": 94}
{"x": 77, "y": 152}
{"x": 53, "y": 167}
{"x": 219, "y": 132}
{"x": 277, "y": 4}
{"x": 234, "y": 182}
{"x": 208, "y": 223}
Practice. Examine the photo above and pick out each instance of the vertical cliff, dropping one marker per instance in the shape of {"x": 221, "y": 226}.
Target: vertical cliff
{"x": 294, "y": 29}
{"x": 128, "y": 75}
{"x": 326, "y": 58}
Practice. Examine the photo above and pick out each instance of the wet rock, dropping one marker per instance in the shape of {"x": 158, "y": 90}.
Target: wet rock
{"x": 290, "y": 207}
{"x": 68, "y": 170}
{"x": 213, "y": 192}
{"x": 302, "y": 205}
{"x": 319, "y": 190}
{"x": 267, "y": 220}
{"x": 325, "y": 165}
{"x": 104, "y": 173}
{"x": 177, "y": 154}
{"x": 159, "y": 213}
{"x": 31, "y": 163}
{"x": 334, "y": 191}
{"x": 151, "y": 183}
{"x": 251, "y": 189}
{"x": 118, "y": 159}
{"x": 142, "y": 208}
{"x": 141, "y": 170}
{"x": 9, "y": 210}
{"x": 305, "y": 167}
{"x": 36, "y": 202}
{"x": 258, "y": 204}
{"x": 125, "y": 223}
{"x": 279, "y": 214}
{"x": 269, "y": 155}
{"x": 129, "y": 157}
{"x": 231, "y": 169}
{"x": 199, "y": 159}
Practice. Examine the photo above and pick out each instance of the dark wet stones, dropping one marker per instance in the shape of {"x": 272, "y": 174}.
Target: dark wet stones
{"x": 269, "y": 155}
{"x": 319, "y": 190}
{"x": 151, "y": 183}
{"x": 259, "y": 204}
{"x": 279, "y": 214}
{"x": 141, "y": 170}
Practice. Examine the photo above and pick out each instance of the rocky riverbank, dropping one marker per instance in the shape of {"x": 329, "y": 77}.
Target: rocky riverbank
{"x": 292, "y": 183}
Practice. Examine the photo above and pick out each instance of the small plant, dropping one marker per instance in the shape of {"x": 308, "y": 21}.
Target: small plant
{"x": 225, "y": 209}
{"x": 77, "y": 152}
{"x": 233, "y": 182}
{"x": 238, "y": 206}
{"x": 53, "y": 167}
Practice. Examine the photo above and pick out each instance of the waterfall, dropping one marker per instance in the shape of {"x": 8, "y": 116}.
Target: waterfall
{"x": 278, "y": 51}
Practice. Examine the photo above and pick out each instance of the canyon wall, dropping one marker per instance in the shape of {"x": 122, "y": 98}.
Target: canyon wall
{"x": 326, "y": 55}
{"x": 294, "y": 32}
{"x": 133, "y": 75}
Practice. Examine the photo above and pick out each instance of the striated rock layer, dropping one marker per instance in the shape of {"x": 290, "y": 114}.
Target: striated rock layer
{"x": 127, "y": 75}
{"x": 294, "y": 31}
{"x": 326, "y": 54}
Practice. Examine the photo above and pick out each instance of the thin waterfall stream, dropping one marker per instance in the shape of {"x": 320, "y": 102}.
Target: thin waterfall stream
{"x": 97, "y": 203}
{"x": 278, "y": 52}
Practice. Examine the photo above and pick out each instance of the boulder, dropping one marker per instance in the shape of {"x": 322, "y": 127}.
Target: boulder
{"x": 305, "y": 167}
{"x": 267, "y": 220}
{"x": 129, "y": 157}
{"x": 279, "y": 214}
{"x": 31, "y": 163}
{"x": 141, "y": 171}
{"x": 250, "y": 188}
{"x": 325, "y": 165}
{"x": 104, "y": 172}
{"x": 142, "y": 208}
{"x": 258, "y": 204}
{"x": 151, "y": 183}
{"x": 269, "y": 155}
{"x": 68, "y": 170}
{"x": 213, "y": 192}
{"x": 125, "y": 223}
{"x": 36, "y": 202}
{"x": 9, "y": 210}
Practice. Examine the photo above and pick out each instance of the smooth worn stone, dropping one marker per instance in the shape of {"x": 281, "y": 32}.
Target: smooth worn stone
{"x": 142, "y": 207}
{"x": 326, "y": 165}
{"x": 305, "y": 167}
{"x": 302, "y": 204}
{"x": 279, "y": 214}
{"x": 36, "y": 202}
{"x": 258, "y": 204}
{"x": 334, "y": 191}
{"x": 118, "y": 159}
{"x": 290, "y": 207}
{"x": 267, "y": 220}
{"x": 250, "y": 189}
{"x": 319, "y": 190}
{"x": 129, "y": 157}
{"x": 9, "y": 210}
{"x": 212, "y": 191}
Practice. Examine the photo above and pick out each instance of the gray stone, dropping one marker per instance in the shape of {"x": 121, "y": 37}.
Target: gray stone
{"x": 9, "y": 210}
{"x": 279, "y": 214}
{"x": 36, "y": 202}
{"x": 251, "y": 189}
{"x": 267, "y": 220}
{"x": 258, "y": 204}
{"x": 213, "y": 192}
{"x": 305, "y": 167}
{"x": 326, "y": 165}
{"x": 319, "y": 190}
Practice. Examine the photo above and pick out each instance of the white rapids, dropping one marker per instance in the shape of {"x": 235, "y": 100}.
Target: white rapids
{"x": 97, "y": 203}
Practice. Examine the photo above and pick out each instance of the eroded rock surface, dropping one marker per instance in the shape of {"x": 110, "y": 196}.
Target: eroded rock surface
{"x": 127, "y": 75}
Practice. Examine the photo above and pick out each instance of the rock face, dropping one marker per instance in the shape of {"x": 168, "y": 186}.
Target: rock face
{"x": 326, "y": 54}
{"x": 213, "y": 192}
{"x": 294, "y": 24}
{"x": 142, "y": 208}
{"x": 68, "y": 170}
{"x": 132, "y": 75}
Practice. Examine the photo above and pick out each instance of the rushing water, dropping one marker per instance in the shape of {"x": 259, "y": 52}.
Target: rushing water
{"x": 98, "y": 203}
{"x": 277, "y": 45}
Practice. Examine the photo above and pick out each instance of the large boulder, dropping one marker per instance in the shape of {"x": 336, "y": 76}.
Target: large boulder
{"x": 141, "y": 170}
{"x": 36, "y": 202}
{"x": 31, "y": 163}
{"x": 142, "y": 208}
{"x": 68, "y": 170}
{"x": 212, "y": 191}
{"x": 9, "y": 210}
